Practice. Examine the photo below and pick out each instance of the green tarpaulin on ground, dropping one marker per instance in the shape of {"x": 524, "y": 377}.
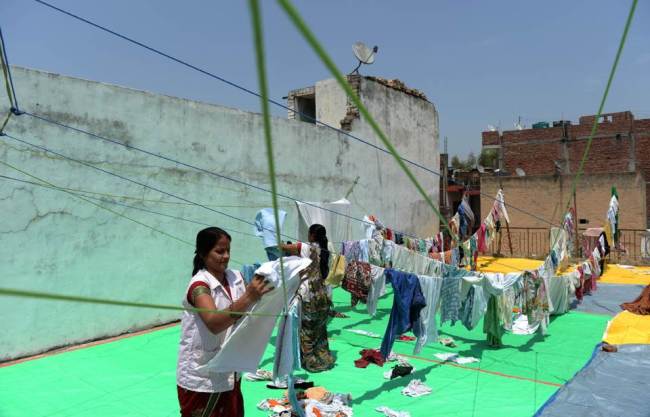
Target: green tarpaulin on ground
{"x": 136, "y": 376}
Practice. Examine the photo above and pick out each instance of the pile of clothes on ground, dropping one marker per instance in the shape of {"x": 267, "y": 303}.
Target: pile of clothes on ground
{"x": 313, "y": 402}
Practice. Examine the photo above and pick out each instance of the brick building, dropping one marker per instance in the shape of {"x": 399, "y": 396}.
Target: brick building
{"x": 621, "y": 145}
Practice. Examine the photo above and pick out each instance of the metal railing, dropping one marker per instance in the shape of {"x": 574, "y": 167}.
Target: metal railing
{"x": 534, "y": 242}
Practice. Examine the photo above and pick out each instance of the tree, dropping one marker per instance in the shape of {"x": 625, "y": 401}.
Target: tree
{"x": 456, "y": 163}
{"x": 488, "y": 158}
{"x": 470, "y": 162}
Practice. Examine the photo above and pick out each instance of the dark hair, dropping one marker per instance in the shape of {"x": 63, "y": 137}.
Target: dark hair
{"x": 319, "y": 233}
{"x": 206, "y": 239}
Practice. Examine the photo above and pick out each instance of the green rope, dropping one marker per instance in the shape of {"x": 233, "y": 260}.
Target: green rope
{"x": 92, "y": 300}
{"x": 329, "y": 63}
{"x": 256, "y": 19}
{"x": 594, "y": 127}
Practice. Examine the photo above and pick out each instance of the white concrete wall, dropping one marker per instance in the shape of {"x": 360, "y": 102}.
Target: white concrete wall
{"x": 52, "y": 242}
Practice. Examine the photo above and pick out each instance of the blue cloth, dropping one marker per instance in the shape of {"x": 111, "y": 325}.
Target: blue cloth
{"x": 408, "y": 301}
{"x": 450, "y": 294}
{"x": 273, "y": 253}
{"x": 248, "y": 272}
{"x": 430, "y": 286}
{"x": 265, "y": 226}
{"x": 287, "y": 345}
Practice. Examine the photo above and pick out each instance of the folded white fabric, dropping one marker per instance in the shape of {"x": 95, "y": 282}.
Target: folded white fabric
{"x": 389, "y": 412}
{"x": 416, "y": 388}
{"x": 446, "y": 356}
{"x": 364, "y": 333}
{"x": 454, "y": 357}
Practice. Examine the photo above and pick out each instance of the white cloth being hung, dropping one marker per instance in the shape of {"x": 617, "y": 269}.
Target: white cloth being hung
{"x": 338, "y": 226}
{"x": 244, "y": 347}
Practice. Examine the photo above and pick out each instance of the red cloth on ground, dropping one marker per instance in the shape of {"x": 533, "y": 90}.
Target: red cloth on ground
{"x": 369, "y": 356}
{"x": 406, "y": 338}
{"x": 641, "y": 305}
{"x": 229, "y": 403}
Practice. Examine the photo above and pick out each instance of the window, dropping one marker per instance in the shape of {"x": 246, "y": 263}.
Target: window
{"x": 306, "y": 108}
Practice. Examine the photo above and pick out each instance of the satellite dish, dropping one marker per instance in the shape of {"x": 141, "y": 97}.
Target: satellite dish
{"x": 364, "y": 54}
{"x": 492, "y": 128}
{"x": 520, "y": 172}
{"x": 519, "y": 126}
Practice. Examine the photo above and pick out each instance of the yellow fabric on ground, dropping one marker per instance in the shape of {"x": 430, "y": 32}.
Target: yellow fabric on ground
{"x": 506, "y": 265}
{"x": 614, "y": 274}
{"x": 628, "y": 328}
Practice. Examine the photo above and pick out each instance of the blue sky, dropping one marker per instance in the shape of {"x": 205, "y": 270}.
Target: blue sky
{"x": 480, "y": 63}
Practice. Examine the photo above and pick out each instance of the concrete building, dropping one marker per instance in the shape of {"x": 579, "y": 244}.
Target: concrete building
{"x": 55, "y": 242}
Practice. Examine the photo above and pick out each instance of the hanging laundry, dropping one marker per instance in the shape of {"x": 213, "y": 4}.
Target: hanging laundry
{"x": 535, "y": 299}
{"x": 482, "y": 241}
{"x": 337, "y": 270}
{"x": 352, "y": 250}
{"x": 612, "y": 217}
{"x": 408, "y": 301}
{"x": 473, "y": 249}
{"x": 377, "y": 288}
{"x": 357, "y": 281}
{"x": 450, "y": 295}
{"x": 473, "y": 307}
{"x": 387, "y": 251}
{"x": 265, "y": 228}
{"x": 491, "y": 323}
{"x": 287, "y": 345}
{"x": 430, "y": 287}
{"x": 374, "y": 251}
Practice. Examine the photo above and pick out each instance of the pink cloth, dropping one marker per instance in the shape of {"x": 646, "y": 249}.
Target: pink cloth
{"x": 482, "y": 244}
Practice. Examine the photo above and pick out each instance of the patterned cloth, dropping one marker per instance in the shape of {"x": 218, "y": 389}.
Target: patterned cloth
{"x": 357, "y": 281}
{"x": 352, "y": 250}
{"x": 450, "y": 295}
{"x": 534, "y": 298}
{"x": 314, "y": 347}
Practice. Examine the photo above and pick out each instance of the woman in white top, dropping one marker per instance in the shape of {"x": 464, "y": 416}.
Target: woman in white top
{"x": 214, "y": 287}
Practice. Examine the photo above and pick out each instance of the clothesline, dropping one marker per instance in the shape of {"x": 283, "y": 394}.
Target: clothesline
{"x": 532, "y": 288}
